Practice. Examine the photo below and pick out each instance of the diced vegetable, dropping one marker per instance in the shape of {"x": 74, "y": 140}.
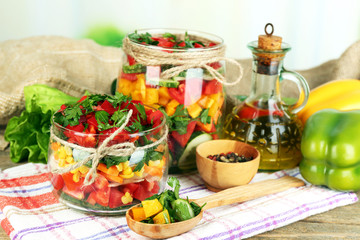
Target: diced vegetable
{"x": 162, "y": 217}
{"x": 138, "y": 213}
{"x": 151, "y": 207}
{"x": 166, "y": 207}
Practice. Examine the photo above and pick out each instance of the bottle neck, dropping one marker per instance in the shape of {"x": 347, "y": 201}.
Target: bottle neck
{"x": 265, "y": 82}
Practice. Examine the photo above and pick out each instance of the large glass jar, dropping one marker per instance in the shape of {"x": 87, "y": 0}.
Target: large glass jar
{"x": 120, "y": 181}
{"x": 181, "y": 73}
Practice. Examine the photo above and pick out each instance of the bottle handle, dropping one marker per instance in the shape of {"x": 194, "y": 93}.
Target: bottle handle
{"x": 303, "y": 88}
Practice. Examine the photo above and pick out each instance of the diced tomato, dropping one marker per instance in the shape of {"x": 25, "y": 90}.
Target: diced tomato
{"x": 57, "y": 181}
{"x": 78, "y": 194}
{"x": 123, "y": 136}
{"x": 77, "y": 128}
{"x": 155, "y": 118}
{"x": 141, "y": 193}
{"x": 197, "y": 45}
{"x": 88, "y": 188}
{"x": 148, "y": 185}
{"x": 164, "y": 42}
{"x": 83, "y": 139}
{"x": 115, "y": 198}
{"x": 212, "y": 44}
{"x": 130, "y": 187}
{"x": 93, "y": 122}
{"x": 63, "y": 107}
{"x": 69, "y": 182}
{"x": 82, "y": 98}
{"x": 178, "y": 94}
{"x": 129, "y": 76}
{"x": 182, "y": 44}
{"x": 212, "y": 87}
{"x": 156, "y": 187}
{"x": 101, "y": 182}
{"x": 103, "y": 197}
{"x": 182, "y": 139}
{"x": 108, "y": 107}
{"x": 92, "y": 198}
{"x": 131, "y": 60}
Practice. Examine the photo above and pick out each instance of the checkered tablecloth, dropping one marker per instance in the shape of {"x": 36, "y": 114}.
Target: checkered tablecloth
{"x": 28, "y": 209}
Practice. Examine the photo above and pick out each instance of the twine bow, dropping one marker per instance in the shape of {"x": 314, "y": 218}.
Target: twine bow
{"x": 182, "y": 60}
{"x": 96, "y": 154}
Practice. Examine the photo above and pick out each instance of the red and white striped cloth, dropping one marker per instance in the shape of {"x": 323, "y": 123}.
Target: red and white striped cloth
{"x": 28, "y": 210}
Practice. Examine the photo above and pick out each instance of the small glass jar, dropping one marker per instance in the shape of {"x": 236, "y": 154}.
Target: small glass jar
{"x": 190, "y": 95}
{"x": 120, "y": 183}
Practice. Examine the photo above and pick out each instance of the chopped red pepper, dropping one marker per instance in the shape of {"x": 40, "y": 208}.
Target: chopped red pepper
{"x": 129, "y": 76}
{"x": 212, "y": 87}
{"x": 178, "y": 93}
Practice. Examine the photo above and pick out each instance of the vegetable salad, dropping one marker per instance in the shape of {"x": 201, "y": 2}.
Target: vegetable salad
{"x": 120, "y": 180}
{"x": 193, "y": 100}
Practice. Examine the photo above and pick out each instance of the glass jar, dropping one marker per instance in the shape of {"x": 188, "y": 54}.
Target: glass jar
{"x": 180, "y": 81}
{"x": 263, "y": 120}
{"x": 120, "y": 181}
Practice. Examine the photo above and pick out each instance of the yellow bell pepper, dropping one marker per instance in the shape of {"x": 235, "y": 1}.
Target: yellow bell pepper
{"x": 152, "y": 207}
{"x": 343, "y": 95}
{"x": 162, "y": 217}
{"x": 138, "y": 213}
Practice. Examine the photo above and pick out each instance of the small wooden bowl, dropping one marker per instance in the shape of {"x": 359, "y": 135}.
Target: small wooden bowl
{"x": 220, "y": 175}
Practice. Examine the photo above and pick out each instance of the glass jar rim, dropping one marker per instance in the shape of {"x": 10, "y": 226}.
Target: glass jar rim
{"x": 208, "y": 36}
{"x": 142, "y": 133}
{"x": 253, "y": 46}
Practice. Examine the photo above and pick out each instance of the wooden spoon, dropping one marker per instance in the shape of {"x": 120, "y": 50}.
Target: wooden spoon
{"x": 225, "y": 197}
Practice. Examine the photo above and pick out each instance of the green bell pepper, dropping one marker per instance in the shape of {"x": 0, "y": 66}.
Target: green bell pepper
{"x": 330, "y": 146}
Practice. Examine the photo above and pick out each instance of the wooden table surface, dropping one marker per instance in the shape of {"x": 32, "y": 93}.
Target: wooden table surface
{"x": 340, "y": 223}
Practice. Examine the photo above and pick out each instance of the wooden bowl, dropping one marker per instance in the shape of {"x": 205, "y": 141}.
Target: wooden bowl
{"x": 220, "y": 175}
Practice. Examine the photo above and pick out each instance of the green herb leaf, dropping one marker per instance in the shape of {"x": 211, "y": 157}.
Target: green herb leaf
{"x": 141, "y": 110}
{"x": 174, "y": 183}
{"x": 204, "y": 116}
{"x": 144, "y": 37}
{"x": 139, "y": 166}
{"x": 169, "y": 35}
{"x": 114, "y": 160}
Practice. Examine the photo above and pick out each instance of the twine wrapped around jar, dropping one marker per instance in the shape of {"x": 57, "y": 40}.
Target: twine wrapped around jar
{"x": 96, "y": 154}
{"x": 149, "y": 55}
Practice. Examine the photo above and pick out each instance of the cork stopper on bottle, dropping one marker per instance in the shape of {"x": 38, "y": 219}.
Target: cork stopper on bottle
{"x": 268, "y": 41}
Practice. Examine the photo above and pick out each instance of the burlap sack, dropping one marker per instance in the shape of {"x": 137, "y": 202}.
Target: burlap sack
{"x": 74, "y": 66}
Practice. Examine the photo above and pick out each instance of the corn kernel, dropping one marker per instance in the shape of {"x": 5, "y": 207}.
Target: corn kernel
{"x": 127, "y": 198}
{"x": 62, "y": 153}
{"x": 69, "y": 159}
{"x": 68, "y": 151}
{"x": 83, "y": 169}
{"x": 119, "y": 167}
{"x": 127, "y": 171}
{"x": 76, "y": 177}
{"x": 125, "y": 164}
{"x": 62, "y": 162}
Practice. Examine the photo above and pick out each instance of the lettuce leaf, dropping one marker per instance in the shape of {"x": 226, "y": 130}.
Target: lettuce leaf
{"x": 29, "y": 133}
